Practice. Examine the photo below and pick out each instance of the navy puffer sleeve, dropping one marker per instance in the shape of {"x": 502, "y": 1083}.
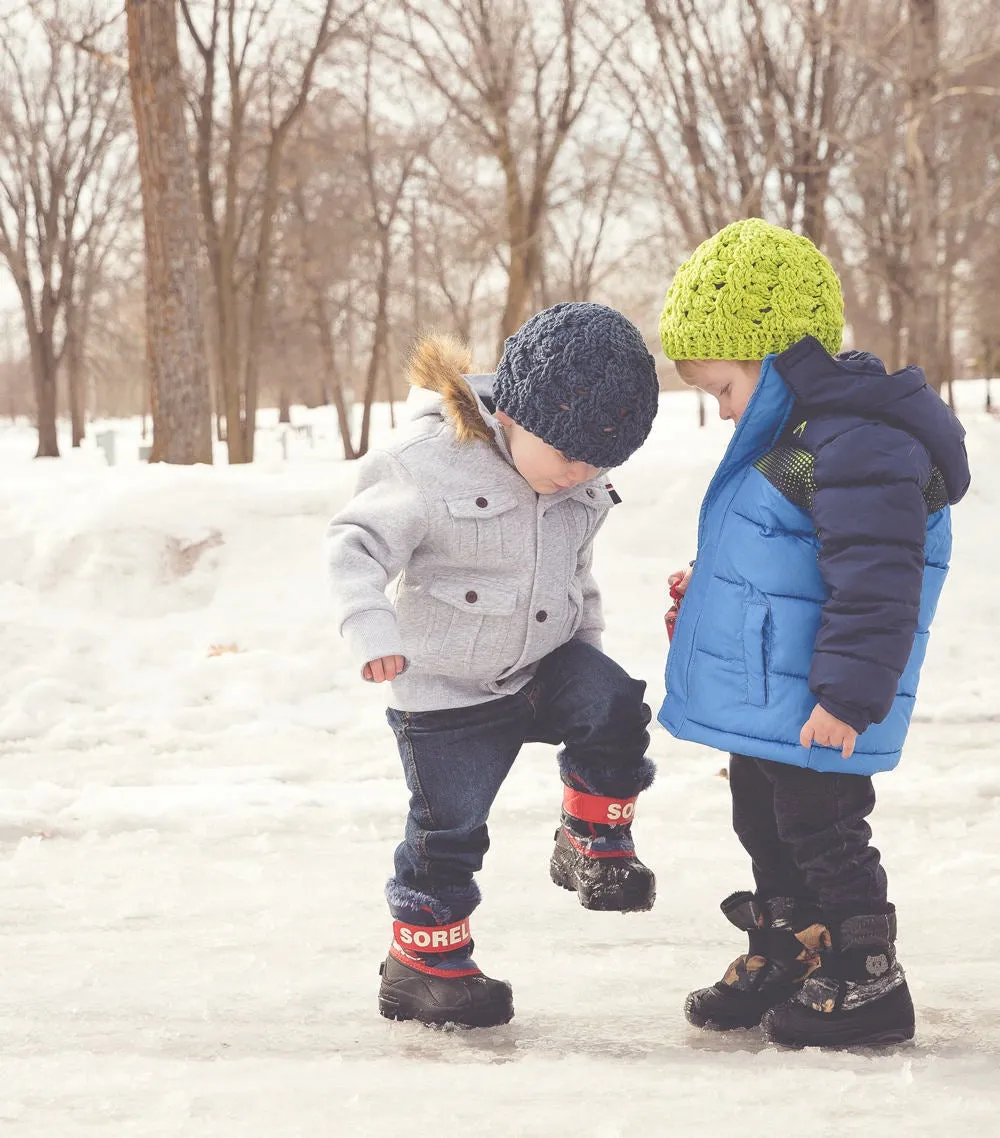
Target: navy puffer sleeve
{"x": 871, "y": 518}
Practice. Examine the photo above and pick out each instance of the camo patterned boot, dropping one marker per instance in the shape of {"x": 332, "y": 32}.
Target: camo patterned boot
{"x": 786, "y": 937}
{"x": 859, "y": 997}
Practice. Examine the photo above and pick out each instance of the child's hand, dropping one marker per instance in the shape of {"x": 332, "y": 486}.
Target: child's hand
{"x": 823, "y": 728}
{"x": 387, "y": 668}
{"x": 680, "y": 580}
{"x": 678, "y": 583}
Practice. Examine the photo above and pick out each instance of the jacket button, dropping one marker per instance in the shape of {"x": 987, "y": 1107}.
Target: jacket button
{"x": 541, "y": 616}
{"x": 482, "y": 503}
{"x": 471, "y": 596}
{"x": 590, "y": 494}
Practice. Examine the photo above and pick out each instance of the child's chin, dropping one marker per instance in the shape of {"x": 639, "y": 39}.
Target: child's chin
{"x": 540, "y": 485}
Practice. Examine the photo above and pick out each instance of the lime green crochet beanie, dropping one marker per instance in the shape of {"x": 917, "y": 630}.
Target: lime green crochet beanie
{"x": 750, "y": 290}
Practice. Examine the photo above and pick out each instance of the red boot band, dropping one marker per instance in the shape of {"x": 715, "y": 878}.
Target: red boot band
{"x": 594, "y": 808}
{"x": 436, "y": 938}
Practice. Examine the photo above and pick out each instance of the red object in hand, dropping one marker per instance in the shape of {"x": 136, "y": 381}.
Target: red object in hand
{"x": 670, "y": 618}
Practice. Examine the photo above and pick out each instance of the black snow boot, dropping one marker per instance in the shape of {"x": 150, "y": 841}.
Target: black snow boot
{"x": 786, "y": 937}
{"x": 595, "y": 856}
{"x": 443, "y": 986}
{"x": 858, "y": 998}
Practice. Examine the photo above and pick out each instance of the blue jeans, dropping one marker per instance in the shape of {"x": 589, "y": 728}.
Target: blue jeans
{"x": 456, "y": 760}
{"x": 807, "y": 834}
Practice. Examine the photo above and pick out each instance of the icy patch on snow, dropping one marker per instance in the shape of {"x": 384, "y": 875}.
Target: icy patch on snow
{"x": 199, "y": 800}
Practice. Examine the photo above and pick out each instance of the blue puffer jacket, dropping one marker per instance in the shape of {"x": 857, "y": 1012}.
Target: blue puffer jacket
{"x": 823, "y": 544}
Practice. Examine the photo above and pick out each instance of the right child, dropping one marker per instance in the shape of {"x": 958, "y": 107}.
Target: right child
{"x": 823, "y": 544}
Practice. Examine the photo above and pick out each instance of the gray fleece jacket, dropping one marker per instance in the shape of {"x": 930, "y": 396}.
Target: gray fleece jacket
{"x": 491, "y": 576}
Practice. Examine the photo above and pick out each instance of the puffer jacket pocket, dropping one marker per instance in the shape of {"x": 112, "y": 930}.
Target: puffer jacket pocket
{"x": 485, "y": 527}
{"x": 468, "y": 625}
{"x": 756, "y": 630}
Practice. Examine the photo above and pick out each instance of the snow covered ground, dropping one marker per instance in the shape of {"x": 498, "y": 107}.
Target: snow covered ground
{"x": 199, "y": 802}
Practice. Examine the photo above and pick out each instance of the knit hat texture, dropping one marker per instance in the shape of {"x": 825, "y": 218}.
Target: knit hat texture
{"x": 750, "y": 290}
{"x": 579, "y": 377}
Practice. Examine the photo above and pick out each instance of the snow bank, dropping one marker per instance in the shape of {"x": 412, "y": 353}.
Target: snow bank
{"x": 199, "y": 802}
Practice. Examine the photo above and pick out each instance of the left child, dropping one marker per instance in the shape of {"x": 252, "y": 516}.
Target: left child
{"x": 487, "y": 513}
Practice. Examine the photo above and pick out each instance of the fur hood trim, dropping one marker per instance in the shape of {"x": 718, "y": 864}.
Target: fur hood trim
{"x": 440, "y": 364}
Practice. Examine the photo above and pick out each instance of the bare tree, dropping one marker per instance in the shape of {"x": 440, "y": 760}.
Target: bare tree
{"x": 116, "y": 355}
{"x": 77, "y": 328}
{"x": 64, "y": 163}
{"x": 325, "y": 244}
{"x": 748, "y": 106}
{"x": 869, "y": 227}
{"x": 246, "y": 61}
{"x": 386, "y": 176}
{"x": 181, "y": 399}
{"x": 350, "y": 220}
{"x": 917, "y": 181}
{"x": 457, "y": 239}
{"x": 585, "y": 216}
{"x": 15, "y": 382}
{"x": 921, "y": 152}
{"x": 519, "y": 75}
{"x": 452, "y": 252}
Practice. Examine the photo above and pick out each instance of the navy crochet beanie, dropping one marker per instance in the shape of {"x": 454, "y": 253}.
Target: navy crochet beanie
{"x": 579, "y": 377}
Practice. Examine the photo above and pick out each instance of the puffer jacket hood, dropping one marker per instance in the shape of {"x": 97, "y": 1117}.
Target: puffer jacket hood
{"x": 857, "y": 384}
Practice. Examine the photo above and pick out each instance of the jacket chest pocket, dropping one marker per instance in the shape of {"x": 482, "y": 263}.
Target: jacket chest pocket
{"x": 469, "y": 625}
{"x": 485, "y": 527}
{"x": 583, "y": 513}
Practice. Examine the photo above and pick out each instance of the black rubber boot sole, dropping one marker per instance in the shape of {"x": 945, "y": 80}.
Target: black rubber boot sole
{"x": 602, "y": 886}
{"x": 721, "y": 1008}
{"x": 886, "y": 1022}
{"x": 466, "y": 1001}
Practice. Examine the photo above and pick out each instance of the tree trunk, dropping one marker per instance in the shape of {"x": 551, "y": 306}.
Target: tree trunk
{"x": 229, "y": 373}
{"x": 895, "y": 353}
{"x": 219, "y": 403}
{"x": 525, "y": 267}
{"x": 182, "y": 405}
{"x": 946, "y": 347}
{"x": 74, "y": 368}
{"x": 518, "y": 291}
{"x": 415, "y": 266}
{"x": 284, "y": 406}
{"x": 44, "y": 366}
{"x": 261, "y": 284}
{"x": 336, "y": 386}
{"x": 524, "y": 261}
{"x": 817, "y": 190}
{"x": 388, "y": 372}
{"x": 76, "y": 337}
{"x": 924, "y": 341}
{"x": 317, "y": 396}
{"x": 379, "y": 343}
{"x": 43, "y": 370}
